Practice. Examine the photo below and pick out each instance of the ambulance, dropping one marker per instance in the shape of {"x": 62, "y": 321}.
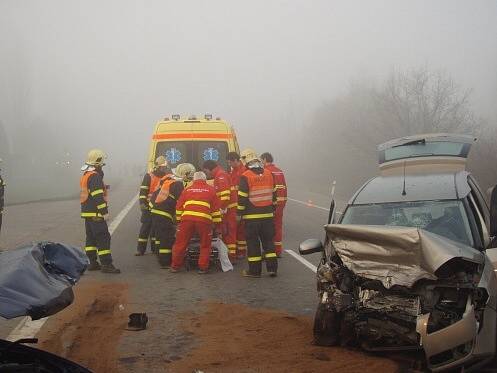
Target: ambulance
{"x": 192, "y": 140}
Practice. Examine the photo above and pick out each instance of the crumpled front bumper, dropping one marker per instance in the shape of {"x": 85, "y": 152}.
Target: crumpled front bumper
{"x": 449, "y": 338}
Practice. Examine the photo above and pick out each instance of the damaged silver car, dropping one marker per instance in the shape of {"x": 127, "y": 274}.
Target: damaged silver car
{"x": 409, "y": 266}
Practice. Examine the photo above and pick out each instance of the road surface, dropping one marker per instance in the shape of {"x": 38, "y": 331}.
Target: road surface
{"x": 213, "y": 323}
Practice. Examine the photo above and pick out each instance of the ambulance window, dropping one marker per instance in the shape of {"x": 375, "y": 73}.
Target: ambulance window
{"x": 211, "y": 150}
{"x": 176, "y": 152}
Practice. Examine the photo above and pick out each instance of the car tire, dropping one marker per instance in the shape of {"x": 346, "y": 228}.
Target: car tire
{"x": 326, "y": 327}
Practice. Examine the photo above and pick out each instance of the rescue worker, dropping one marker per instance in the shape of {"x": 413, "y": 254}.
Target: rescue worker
{"x": 256, "y": 200}
{"x": 163, "y": 210}
{"x": 149, "y": 185}
{"x": 94, "y": 210}
{"x": 235, "y": 238}
{"x": 222, "y": 185}
{"x": 2, "y": 193}
{"x": 281, "y": 197}
{"x": 198, "y": 208}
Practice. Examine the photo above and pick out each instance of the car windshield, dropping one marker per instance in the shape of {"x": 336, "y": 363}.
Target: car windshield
{"x": 195, "y": 152}
{"x": 445, "y": 218}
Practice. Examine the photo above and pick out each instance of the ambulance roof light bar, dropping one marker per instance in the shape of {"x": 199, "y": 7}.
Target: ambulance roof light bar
{"x": 175, "y": 116}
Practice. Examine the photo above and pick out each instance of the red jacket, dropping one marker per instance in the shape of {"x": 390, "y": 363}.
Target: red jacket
{"x": 235, "y": 181}
{"x": 279, "y": 184}
{"x": 222, "y": 185}
{"x": 199, "y": 203}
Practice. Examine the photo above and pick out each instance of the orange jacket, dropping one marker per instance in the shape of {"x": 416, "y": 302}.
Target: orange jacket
{"x": 222, "y": 185}
{"x": 199, "y": 203}
{"x": 279, "y": 184}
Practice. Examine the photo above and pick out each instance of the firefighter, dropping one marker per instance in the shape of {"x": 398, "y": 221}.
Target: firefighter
{"x": 235, "y": 239}
{"x": 197, "y": 210}
{"x": 256, "y": 200}
{"x": 149, "y": 185}
{"x": 281, "y": 197}
{"x": 2, "y": 193}
{"x": 163, "y": 210}
{"x": 94, "y": 210}
{"x": 222, "y": 185}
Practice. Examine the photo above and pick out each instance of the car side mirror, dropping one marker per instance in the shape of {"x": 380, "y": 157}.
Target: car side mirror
{"x": 311, "y": 246}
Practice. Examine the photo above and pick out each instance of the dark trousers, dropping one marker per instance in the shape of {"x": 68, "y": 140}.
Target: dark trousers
{"x": 98, "y": 241}
{"x": 165, "y": 232}
{"x": 1, "y": 214}
{"x": 260, "y": 232}
{"x": 146, "y": 231}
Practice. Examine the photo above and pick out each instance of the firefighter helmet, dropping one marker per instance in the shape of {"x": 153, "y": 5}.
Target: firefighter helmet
{"x": 185, "y": 171}
{"x": 249, "y": 155}
{"x": 161, "y": 161}
{"x": 95, "y": 157}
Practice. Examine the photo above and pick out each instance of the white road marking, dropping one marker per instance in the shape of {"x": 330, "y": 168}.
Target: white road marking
{"x": 308, "y": 264}
{"x": 119, "y": 218}
{"x": 28, "y": 328}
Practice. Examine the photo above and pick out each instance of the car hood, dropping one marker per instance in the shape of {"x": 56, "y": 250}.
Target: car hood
{"x": 36, "y": 280}
{"x": 395, "y": 255}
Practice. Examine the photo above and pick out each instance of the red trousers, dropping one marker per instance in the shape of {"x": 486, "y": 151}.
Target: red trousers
{"x": 185, "y": 231}
{"x": 278, "y": 229}
{"x": 241, "y": 241}
{"x": 230, "y": 233}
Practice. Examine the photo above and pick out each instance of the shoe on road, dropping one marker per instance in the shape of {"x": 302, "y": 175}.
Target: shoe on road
{"x": 94, "y": 266}
{"x": 246, "y": 273}
{"x": 165, "y": 266}
{"x": 139, "y": 254}
{"x": 174, "y": 270}
{"x": 109, "y": 268}
{"x": 272, "y": 274}
{"x": 203, "y": 271}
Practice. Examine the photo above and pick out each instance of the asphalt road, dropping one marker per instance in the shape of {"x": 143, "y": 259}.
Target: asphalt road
{"x": 158, "y": 292}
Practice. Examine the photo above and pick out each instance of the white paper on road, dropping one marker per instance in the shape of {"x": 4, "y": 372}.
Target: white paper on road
{"x": 223, "y": 257}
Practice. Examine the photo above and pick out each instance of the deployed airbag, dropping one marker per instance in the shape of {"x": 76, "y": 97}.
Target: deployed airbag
{"x": 37, "y": 280}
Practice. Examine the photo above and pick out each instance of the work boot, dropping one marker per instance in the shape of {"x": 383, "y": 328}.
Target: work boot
{"x": 174, "y": 270}
{"x": 203, "y": 271}
{"x": 246, "y": 273}
{"x": 272, "y": 274}
{"x": 94, "y": 266}
{"x": 139, "y": 254}
{"x": 165, "y": 266}
{"x": 109, "y": 268}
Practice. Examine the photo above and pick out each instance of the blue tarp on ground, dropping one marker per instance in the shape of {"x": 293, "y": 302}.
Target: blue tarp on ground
{"x": 37, "y": 280}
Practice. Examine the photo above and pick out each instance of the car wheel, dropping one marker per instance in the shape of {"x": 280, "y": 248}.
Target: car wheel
{"x": 326, "y": 327}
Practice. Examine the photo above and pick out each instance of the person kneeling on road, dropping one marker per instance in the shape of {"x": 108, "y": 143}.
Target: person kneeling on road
{"x": 163, "y": 209}
{"x": 94, "y": 210}
{"x": 197, "y": 209}
{"x": 256, "y": 200}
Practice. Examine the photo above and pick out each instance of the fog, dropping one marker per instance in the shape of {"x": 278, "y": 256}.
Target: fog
{"x": 81, "y": 74}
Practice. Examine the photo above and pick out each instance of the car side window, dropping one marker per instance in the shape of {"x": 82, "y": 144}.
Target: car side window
{"x": 479, "y": 220}
{"x": 480, "y": 200}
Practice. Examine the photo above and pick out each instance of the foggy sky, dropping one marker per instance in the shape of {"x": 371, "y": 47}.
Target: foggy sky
{"x": 103, "y": 72}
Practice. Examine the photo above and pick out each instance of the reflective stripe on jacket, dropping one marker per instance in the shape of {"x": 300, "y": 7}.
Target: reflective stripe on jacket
{"x": 222, "y": 185}
{"x": 200, "y": 203}
{"x": 256, "y": 194}
{"x": 93, "y": 196}
{"x": 279, "y": 183}
{"x": 235, "y": 175}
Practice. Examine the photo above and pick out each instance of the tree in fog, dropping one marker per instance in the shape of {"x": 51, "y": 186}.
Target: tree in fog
{"x": 406, "y": 103}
